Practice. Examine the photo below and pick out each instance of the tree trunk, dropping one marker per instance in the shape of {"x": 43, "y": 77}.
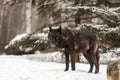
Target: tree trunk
{"x": 77, "y": 21}
{"x": 77, "y": 16}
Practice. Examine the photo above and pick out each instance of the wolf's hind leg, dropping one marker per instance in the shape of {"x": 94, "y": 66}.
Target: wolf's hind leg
{"x": 90, "y": 62}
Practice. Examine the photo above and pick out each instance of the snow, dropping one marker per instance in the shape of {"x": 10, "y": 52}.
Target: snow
{"x": 98, "y": 27}
{"x": 41, "y": 66}
{"x": 47, "y": 57}
{"x": 101, "y": 28}
{"x": 111, "y": 55}
{"x": 103, "y": 13}
{"x": 96, "y": 9}
{"x": 17, "y": 38}
{"x": 21, "y": 68}
{"x": 11, "y": 1}
{"x": 57, "y": 56}
{"x": 20, "y": 37}
{"x": 28, "y": 49}
{"x": 40, "y": 35}
{"x": 55, "y": 27}
{"x": 51, "y": 66}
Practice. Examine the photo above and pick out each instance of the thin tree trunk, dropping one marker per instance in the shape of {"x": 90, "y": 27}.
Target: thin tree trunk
{"x": 77, "y": 21}
{"x": 28, "y": 16}
{"x": 77, "y": 16}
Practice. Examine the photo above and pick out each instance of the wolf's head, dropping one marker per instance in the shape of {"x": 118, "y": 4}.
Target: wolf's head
{"x": 54, "y": 36}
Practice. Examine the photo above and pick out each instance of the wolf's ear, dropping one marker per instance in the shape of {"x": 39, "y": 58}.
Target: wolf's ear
{"x": 50, "y": 29}
{"x": 60, "y": 30}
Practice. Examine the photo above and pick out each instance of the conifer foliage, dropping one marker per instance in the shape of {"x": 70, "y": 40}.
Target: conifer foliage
{"x": 67, "y": 11}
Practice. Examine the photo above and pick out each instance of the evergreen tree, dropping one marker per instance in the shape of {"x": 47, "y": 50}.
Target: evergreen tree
{"x": 75, "y": 8}
{"x": 67, "y": 11}
{"x": 80, "y": 13}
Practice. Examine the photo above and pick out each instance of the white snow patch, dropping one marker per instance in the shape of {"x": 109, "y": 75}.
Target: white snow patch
{"x": 46, "y": 57}
{"x": 99, "y": 27}
{"x": 40, "y": 35}
{"x": 55, "y": 27}
{"x": 20, "y": 37}
{"x": 17, "y": 38}
{"x": 112, "y": 55}
{"x": 28, "y": 49}
{"x": 21, "y": 68}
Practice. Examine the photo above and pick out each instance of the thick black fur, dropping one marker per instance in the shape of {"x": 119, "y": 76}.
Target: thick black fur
{"x": 73, "y": 42}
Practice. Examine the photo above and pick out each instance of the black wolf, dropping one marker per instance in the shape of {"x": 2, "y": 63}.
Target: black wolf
{"x": 73, "y": 42}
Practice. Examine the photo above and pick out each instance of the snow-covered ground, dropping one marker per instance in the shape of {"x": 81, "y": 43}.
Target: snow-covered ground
{"x": 24, "y": 68}
{"x": 49, "y": 66}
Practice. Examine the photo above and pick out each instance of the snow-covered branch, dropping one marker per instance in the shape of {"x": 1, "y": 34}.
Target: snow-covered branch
{"x": 111, "y": 15}
{"x": 100, "y": 28}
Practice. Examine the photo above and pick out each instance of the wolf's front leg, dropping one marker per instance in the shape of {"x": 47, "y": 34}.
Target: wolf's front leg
{"x": 66, "y": 61}
{"x": 73, "y": 61}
